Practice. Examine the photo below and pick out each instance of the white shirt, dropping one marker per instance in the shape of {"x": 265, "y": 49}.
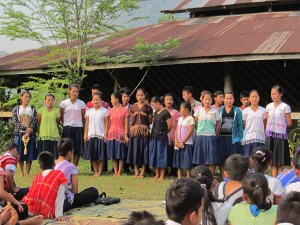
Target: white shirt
{"x": 293, "y": 187}
{"x": 276, "y": 117}
{"x": 170, "y": 222}
{"x": 72, "y": 112}
{"x": 254, "y": 130}
{"x": 96, "y": 122}
{"x": 275, "y": 187}
{"x": 183, "y": 128}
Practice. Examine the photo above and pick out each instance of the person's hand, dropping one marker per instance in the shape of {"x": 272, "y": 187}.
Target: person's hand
{"x": 19, "y": 204}
{"x": 63, "y": 218}
{"x": 29, "y": 130}
{"x": 126, "y": 139}
{"x": 180, "y": 145}
{"x": 26, "y": 135}
{"x": 85, "y": 137}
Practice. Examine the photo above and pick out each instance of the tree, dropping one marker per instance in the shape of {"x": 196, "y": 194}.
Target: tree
{"x": 66, "y": 28}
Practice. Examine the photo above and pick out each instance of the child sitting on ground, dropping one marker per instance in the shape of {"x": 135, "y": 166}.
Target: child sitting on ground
{"x": 235, "y": 169}
{"x": 257, "y": 209}
{"x": 46, "y": 193}
{"x": 288, "y": 209}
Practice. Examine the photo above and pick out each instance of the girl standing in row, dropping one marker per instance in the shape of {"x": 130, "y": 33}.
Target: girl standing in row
{"x": 96, "y": 126}
{"x": 24, "y": 117}
{"x": 159, "y": 143}
{"x": 279, "y": 118}
{"x": 48, "y": 119}
{"x": 141, "y": 114}
{"x": 183, "y": 156}
{"x": 72, "y": 111}
{"x": 254, "y": 119}
{"x": 117, "y": 136}
{"x": 207, "y": 119}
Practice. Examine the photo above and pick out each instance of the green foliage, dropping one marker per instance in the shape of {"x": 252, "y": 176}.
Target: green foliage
{"x": 4, "y": 95}
{"x": 39, "y": 87}
{"x": 166, "y": 18}
{"x": 6, "y": 132}
{"x": 294, "y": 138}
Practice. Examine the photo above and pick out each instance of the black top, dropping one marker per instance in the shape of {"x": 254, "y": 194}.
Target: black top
{"x": 160, "y": 126}
{"x": 227, "y": 122}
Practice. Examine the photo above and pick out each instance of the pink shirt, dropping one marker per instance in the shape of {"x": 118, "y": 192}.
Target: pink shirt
{"x": 175, "y": 116}
{"x": 117, "y": 124}
{"x": 72, "y": 112}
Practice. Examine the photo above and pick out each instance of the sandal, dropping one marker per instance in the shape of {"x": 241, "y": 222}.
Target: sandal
{"x": 106, "y": 200}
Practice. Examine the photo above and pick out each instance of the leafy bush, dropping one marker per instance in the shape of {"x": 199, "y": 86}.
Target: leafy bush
{"x": 6, "y": 132}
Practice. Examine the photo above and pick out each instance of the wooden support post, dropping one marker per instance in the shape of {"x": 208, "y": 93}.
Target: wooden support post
{"x": 228, "y": 85}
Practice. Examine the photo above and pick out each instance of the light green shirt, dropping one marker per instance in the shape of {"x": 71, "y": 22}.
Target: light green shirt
{"x": 241, "y": 215}
{"x": 48, "y": 127}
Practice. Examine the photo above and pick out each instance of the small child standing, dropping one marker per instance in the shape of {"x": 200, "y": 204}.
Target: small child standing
{"x": 183, "y": 156}
{"x": 207, "y": 119}
{"x": 159, "y": 143}
{"x": 279, "y": 118}
{"x": 47, "y": 191}
{"x": 254, "y": 119}
{"x": 96, "y": 126}
{"x": 257, "y": 209}
{"x": 48, "y": 119}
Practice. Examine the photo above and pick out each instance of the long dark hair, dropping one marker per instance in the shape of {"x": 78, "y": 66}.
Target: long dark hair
{"x": 262, "y": 158}
{"x": 204, "y": 176}
{"x": 255, "y": 186}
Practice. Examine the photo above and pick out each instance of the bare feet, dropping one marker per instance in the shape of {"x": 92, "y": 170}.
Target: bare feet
{"x": 21, "y": 174}
{"x": 162, "y": 178}
{"x": 155, "y": 178}
{"x": 27, "y": 175}
{"x": 135, "y": 176}
{"x": 36, "y": 220}
{"x": 141, "y": 176}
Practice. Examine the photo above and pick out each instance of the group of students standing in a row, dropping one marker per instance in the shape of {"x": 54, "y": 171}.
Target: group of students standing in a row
{"x": 200, "y": 134}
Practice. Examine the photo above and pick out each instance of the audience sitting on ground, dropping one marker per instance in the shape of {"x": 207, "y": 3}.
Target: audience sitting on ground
{"x": 184, "y": 202}
{"x": 296, "y": 166}
{"x": 235, "y": 169}
{"x": 288, "y": 176}
{"x": 261, "y": 161}
{"x": 143, "y": 218}
{"x": 46, "y": 193}
{"x": 8, "y": 162}
{"x": 288, "y": 209}
{"x": 214, "y": 211}
{"x": 72, "y": 198}
{"x": 256, "y": 208}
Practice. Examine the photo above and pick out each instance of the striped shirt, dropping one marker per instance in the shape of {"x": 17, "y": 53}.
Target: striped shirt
{"x": 8, "y": 162}
{"x": 287, "y": 178}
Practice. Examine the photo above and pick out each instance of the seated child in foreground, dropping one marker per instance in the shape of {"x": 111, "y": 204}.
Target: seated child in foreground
{"x": 256, "y": 209}
{"x": 236, "y": 168}
{"x": 46, "y": 193}
{"x": 8, "y": 162}
{"x": 288, "y": 209}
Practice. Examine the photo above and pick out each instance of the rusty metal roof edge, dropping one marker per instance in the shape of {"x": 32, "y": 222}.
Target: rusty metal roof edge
{"x": 23, "y": 72}
{"x": 202, "y": 60}
{"x": 229, "y": 6}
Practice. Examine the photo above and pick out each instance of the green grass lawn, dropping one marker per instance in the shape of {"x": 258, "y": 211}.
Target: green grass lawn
{"x": 125, "y": 187}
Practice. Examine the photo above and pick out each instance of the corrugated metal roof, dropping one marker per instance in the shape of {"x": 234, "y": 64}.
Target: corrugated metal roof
{"x": 218, "y": 36}
{"x": 186, "y": 5}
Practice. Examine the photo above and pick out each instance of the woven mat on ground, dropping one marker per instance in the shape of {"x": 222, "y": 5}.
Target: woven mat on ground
{"x": 113, "y": 214}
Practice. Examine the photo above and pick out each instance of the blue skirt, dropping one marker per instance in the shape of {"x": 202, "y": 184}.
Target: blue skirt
{"x": 31, "y": 147}
{"x": 116, "y": 150}
{"x": 226, "y": 148}
{"x": 76, "y": 134}
{"x": 47, "y": 145}
{"x": 138, "y": 151}
{"x": 158, "y": 153}
{"x": 248, "y": 148}
{"x": 205, "y": 150}
{"x": 183, "y": 157}
{"x": 95, "y": 149}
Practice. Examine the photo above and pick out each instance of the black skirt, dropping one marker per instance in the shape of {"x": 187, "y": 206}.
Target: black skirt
{"x": 138, "y": 150}
{"x": 280, "y": 149}
{"x": 95, "y": 149}
{"x": 47, "y": 145}
{"x": 76, "y": 134}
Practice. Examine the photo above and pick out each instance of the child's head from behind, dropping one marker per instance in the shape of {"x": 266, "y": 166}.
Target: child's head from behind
{"x": 11, "y": 148}
{"x": 296, "y": 163}
{"x": 236, "y": 167}
{"x": 46, "y": 160}
{"x": 203, "y": 175}
{"x": 185, "y": 108}
{"x": 255, "y": 190}
{"x": 183, "y": 201}
{"x": 261, "y": 159}
{"x": 289, "y": 208}
{"x": 143, "y": 218}
{"x": 65, "y": 148}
